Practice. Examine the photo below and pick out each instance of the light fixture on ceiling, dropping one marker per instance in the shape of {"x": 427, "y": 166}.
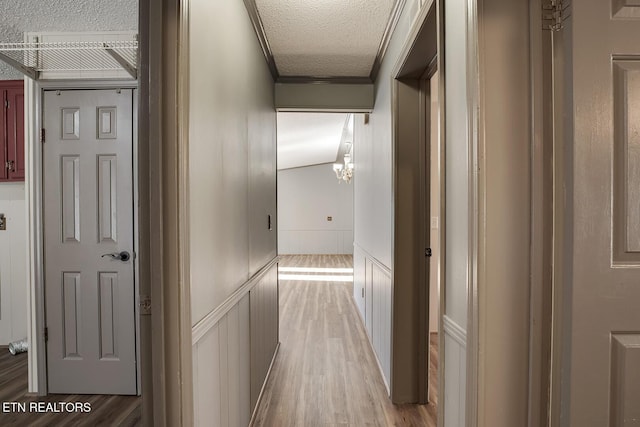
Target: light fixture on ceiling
{"x": 344, "y": 172}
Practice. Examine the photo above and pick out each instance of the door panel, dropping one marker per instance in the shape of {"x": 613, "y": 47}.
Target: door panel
{"x": 4, "y": 171}
{"x": 15, "y": 133}
{"x": 88, "y": 214}
{"x": 601, "y": 178}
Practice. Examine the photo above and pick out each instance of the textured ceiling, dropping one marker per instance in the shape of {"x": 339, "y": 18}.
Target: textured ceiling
{"x": 18, "y": 17}
{"x": 306, "y": 139}
{"x": 324, "y": 38}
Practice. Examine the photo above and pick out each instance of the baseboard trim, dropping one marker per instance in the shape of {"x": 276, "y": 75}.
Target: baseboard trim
{"x": 254, "y": 412}
{"x": 201, "y": 328}
{"x": 454, "y": 330}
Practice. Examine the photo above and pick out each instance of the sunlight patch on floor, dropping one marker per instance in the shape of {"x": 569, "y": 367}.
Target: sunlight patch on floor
{"x": 314, "y": 270}
{"x": 316, "y": 278}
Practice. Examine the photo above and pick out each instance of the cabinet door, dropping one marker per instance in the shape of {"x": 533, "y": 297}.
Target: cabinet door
{"x": 15, "y": 134}
{"x": 3, "y": 137}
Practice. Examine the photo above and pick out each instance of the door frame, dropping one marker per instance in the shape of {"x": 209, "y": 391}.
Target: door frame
{"x": 34, "y": 109}
{"x": 421, "y": 56}
{"x": 410, "y": 68}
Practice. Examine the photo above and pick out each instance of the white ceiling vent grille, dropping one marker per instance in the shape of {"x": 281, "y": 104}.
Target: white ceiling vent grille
{"x": 68, "y": 59}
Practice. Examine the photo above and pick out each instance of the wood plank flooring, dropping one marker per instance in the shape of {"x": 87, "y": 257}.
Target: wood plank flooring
{"x": 325, "y": 373}
{"x": 105, "y": 410}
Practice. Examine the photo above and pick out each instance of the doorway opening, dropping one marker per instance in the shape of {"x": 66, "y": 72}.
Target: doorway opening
{"x": 315, "y": 188}
{"x": 88, "y": 239}
{"x": 432, "y": 197}
{"x": 418, "y": 237}
{"x": 81, "y": 198}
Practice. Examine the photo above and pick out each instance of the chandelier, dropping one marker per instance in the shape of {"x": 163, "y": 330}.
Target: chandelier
{"x": 344, "y": 172}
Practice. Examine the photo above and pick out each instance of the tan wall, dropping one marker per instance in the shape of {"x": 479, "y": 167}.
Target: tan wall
{"x": 13, "y": 271}
{"x": 434, "y": 206}
{"x": 231, "y": 154}
{"x": 303, "y": 227}
{"x": 232, "y": 190}
{"x": 505, "y": 211}
{"x": 373, "y": 200}
{"x": 457, "y": 164}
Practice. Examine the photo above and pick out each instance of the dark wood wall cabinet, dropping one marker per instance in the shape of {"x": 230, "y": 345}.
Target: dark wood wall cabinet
{"x": 12, "y": 126}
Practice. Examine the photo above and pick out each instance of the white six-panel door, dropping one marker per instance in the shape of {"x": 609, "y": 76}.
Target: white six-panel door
{"x": 88, "y": 215}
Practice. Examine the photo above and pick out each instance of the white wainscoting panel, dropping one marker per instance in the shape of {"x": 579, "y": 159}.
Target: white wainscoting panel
{"x": 13, "y": 265}
{"x": 359, "y": 280}
{"x": 381, "y": 313}
{"x": 315, "y": 242}
{"x": 375, "y": 307}
{"x": 455, "y": 373}
{"x": 221, "y": 371}
{"x": 227, "y": 352}
{"x": 315, "y": 212}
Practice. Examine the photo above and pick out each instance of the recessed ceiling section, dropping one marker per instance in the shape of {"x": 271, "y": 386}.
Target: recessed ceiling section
{"x": 324, "y": 38}
{"x": 306, "y": 139}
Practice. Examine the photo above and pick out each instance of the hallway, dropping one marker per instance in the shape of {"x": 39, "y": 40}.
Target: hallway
{"x": 325, "y": 372}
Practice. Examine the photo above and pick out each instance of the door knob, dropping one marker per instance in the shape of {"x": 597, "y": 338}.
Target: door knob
{"x": 121, "y": 256}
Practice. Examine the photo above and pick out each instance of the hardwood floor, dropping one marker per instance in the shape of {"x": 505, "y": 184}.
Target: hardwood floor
{"x": 325, "y": 373}
{"x": 105, "y": 410}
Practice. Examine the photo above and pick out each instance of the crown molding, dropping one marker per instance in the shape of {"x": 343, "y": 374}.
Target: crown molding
{"x": 324, "y": 80}
{"x": 256, "y": 21}
{"x": 394, "y": 17}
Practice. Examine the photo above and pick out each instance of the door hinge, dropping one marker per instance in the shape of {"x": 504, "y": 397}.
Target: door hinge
{"x": 42, "y": 139}
{"x": 554, "y": 13}
{"x": 145, "y": 305}
{"x": 46, "y": 334}
{"x": 428, "y": 252}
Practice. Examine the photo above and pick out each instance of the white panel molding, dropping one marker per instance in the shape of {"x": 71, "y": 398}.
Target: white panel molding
{"x": 386, "y": 270}
{"x": 254, "y": 410}
{"x": 373, "y": 350}
{"x": 373, "y": 336}
{"x": 625, "y": 9}
{"x": 201, "y": 328}
{"x": 455, "y": 331}
{"x": 315, "y": 242}
{"x": 625, "y": 373}
{"x": 626, "y": 163}
{"x": 13, "y": 318}
{"x": 107, "y": 198}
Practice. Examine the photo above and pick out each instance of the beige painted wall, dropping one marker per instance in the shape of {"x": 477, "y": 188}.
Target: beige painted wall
{"x": 457, "y": 154}
{"x": 505, "y": 213}
{"x": 307, "y": 196}
{"x": 13, "y": 264}
{"x": 435, "y": 220}
{"x": 232, "y": 191}
{"x": 373, "y": 202}
{"x": 231, "y": 154}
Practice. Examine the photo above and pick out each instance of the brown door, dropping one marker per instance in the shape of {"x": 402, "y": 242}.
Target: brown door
{"x": 600, "y": 195}
{"x": 15, "y": 133}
